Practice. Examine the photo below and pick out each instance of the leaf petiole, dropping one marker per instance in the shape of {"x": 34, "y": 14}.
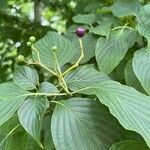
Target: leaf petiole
{"x": 60, "y": 75}
{"x": 78, "y": 61}
{"x": 46, "y": 94}
{"x": 41, "y": 64}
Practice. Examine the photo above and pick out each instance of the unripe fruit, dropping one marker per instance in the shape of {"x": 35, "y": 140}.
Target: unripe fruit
{"x": 80, "y": 32}
{"x": 32, "y": 39}
{"x": 20, "y": 58}
{"x": 54, "y": 48}
{"x": 29, "y": 43}
{"x": 72, "y": 5}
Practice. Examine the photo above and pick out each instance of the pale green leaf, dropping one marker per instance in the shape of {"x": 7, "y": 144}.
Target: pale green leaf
{"x": 146, "y": 9}
{"x": 131, "y": 79}
{"x": 144, "y": 29}
{"x": 65, "y": 52}
{"x": 26, "y": 77}
{"x": 88, "y": 42}
{"x": 102, "y": 29}
{"x": 85, "y": 124}
{"x": 141, "y": 67}
{"x": 122, "y": 8}
{"x": 129, "y": 145}
{"x": 11, "y": 98}
{"x": 129, "y": 106}
{"x": 84, "y": 18}
{"x": 107, "y": 18}
{"x": 31, "y": 114}
{"x": 145, "y": 14}
{"x": 105, "y": 22}
{"x": 84, "y": 76}
{"x": 144, "y": 22}
{"x": 110, "y": 52}
{"x": 132, "y": 36}
{"x": 47, "y": 87}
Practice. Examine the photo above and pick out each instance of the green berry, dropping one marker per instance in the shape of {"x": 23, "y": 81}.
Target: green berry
{"x": 32, "y": 39}
{"x": 54, "y": 48}
{"x": 72, "y": 4}
{"x": 29, "y": 43}
{"x": 20, "y": 58}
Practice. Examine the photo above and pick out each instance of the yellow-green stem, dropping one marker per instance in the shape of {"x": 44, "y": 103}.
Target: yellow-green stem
{"x": 60, "y": 76}
{"x": 45, "y": 94}
{"x": 41, "y": 64}
{"x": 78, "y": 61}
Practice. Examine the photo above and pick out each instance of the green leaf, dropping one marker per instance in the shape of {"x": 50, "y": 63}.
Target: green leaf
{"x": 83, "y": 77}
{"x": 32, "y": 145}
{"x": 65, "y": 52}
{"x": 110, "y": 52}
{"x": 129, "y": 145}
{"x": 46, "y": 129}
{"x": 31, "y": 114}
{"x": 105, "y": 22}
{"x": 88, "y": 125}
{"x": 107, "y": 18}
{"x": 141, "y": 67}
{"x": 131, "y": 79}
{"x": 144, "y": 29}
{"x": 132, "y": 36}
{"x": 144, "y": 22}
{"x": 145, "y": 14}
{"x": 19, "y": 140}
{"x": 6, "y": 145}
{"x": 11, "y": 98}
{"x": 122, "y": 8}
{"x": 146, "y": 9}
{"x": 91, "y": 7}
{"x": 129, "y": 106}
{"x": 102, "y": 29}
{"x": 47, "y": 87}
{"x": 26, "y": 77}
{"x": 84, "y": 19}
{"x": 88, "y": 42}
{"x": 133, "y": 136}
{"x": 9, "y": 125}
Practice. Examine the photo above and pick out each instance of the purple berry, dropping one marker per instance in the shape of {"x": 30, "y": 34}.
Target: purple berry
{"x": 80, "y": 32}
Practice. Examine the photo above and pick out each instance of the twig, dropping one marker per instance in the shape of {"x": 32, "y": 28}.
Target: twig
{"x": 78, "y": 61}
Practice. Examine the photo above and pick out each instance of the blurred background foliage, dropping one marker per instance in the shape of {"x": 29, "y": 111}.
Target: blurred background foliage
{"x": 19, "y": 19}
